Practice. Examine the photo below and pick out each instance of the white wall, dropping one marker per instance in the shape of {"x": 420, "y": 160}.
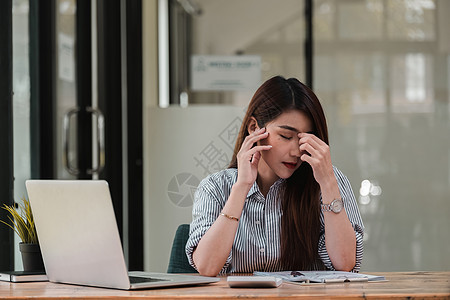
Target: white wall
{"x": 186, "y": 144}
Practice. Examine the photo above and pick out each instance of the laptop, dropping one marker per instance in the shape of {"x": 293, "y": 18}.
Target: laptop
{"x": 80, "y": 241}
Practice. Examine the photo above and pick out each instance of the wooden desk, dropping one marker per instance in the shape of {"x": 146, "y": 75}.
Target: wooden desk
{"x": 400, "y": 285}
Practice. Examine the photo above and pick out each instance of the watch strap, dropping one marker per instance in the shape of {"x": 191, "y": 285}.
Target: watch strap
{"x": 329, "y": 206}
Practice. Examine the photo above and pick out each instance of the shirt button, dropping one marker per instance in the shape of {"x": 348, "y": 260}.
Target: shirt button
{"x": 262, "y": 250}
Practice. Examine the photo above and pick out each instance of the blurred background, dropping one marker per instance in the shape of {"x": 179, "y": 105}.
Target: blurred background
{"x": 381, "y": 69}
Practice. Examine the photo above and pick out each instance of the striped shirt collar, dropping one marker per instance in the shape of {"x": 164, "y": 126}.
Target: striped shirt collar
{"x": 255, "y": 188}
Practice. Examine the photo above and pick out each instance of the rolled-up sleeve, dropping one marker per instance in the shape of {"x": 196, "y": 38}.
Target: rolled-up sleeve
{"x": 208, "y": 203}
{"x": 351, "y": 208}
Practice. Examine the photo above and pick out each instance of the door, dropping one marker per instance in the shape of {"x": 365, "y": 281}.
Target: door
{"x": 77, "y": 122}
{"x": 76, "y": 114}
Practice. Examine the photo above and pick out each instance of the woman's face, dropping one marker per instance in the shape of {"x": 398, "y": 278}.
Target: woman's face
{"x": 284, "y": 157}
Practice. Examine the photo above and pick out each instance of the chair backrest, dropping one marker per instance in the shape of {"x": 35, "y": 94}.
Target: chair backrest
{"x": 178, "y": 262}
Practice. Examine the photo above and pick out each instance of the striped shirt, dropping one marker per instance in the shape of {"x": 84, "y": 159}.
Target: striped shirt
{"x": 256, "y": 245}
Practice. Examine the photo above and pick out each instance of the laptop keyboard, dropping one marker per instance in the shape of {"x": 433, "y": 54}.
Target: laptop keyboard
{"x": 135, "y": 279}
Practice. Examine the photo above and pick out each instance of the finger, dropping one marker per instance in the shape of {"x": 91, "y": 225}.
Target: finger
{"x": 309, "y": 159}
{"x": 259, "y": 148}
{"x": 311, "y": 139}
{"x": 308, "y": 148}
{"x": 248, "y": 155}
{"x": 255, "y": 158}
{"x": 257, "y": 133}
{"x": 250, "y": 140}
{"x": 316, "y": 146}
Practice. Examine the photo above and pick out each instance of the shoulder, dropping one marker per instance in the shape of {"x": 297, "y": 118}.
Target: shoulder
{"x": 221, "y": 180}
{"x": 227, "y": 175}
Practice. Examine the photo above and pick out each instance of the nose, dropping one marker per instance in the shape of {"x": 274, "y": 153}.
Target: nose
{"x": 295, "y": 149}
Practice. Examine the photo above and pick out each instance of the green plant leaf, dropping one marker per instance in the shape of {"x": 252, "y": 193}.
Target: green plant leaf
{"x": 22, "y": 221}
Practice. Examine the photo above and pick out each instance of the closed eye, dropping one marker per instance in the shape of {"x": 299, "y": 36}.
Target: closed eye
{"x": 285, "y": 137}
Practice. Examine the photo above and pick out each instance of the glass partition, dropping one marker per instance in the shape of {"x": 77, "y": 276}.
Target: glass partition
{"x": 381, "y": 72}
{"x": 228, "y": 31}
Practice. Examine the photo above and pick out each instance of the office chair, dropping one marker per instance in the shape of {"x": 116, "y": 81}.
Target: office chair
{"x": 178, "y": 262}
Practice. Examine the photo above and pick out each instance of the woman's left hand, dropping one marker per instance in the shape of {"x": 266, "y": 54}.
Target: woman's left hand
{"x": 317, "y": 154}
{"x": 340, "y": 237}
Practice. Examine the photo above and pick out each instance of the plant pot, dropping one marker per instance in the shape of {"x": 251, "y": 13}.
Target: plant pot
{"x": 31, "y": 257}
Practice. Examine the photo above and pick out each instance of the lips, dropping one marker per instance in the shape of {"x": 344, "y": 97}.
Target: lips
{"x": 290, "y": 165}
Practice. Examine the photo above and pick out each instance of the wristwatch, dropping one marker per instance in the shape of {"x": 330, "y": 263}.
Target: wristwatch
{"x": 335, "y": 206}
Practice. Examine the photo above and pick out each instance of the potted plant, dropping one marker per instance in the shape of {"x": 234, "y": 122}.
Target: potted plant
{"x": 22, "y": 222}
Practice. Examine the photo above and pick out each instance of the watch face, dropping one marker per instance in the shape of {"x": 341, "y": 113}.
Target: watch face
{"x": 337, "y": 205}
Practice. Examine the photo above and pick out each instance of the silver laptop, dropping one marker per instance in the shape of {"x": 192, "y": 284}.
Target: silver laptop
{"x": 80, "y": 241}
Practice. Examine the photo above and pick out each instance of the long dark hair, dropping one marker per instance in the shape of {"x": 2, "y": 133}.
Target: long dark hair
{"x": 300, "y": 223}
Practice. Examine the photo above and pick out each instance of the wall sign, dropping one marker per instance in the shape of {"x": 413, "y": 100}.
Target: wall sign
{"x": 225, "y": 73}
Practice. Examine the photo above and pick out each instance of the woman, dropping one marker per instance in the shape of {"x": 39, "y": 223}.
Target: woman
{"x": 281, "y": 205}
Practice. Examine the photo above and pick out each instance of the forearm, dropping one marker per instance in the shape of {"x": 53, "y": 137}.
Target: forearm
{"x": 213, "y": 249}
{"x": 340, "y": 237}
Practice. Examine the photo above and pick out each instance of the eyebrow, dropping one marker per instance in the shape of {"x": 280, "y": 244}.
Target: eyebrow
{"x": 290, "y": 128}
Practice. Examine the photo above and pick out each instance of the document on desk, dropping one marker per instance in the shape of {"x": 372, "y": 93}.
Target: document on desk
{"x": 321, "y": 276}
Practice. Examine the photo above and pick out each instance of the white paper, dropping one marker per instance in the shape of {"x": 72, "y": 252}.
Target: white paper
{"x": 321, "y": 276}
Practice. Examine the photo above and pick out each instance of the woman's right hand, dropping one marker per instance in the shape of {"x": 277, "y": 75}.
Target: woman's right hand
{"x": 214, "y": 247}
{"x": 248, "y": 157}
